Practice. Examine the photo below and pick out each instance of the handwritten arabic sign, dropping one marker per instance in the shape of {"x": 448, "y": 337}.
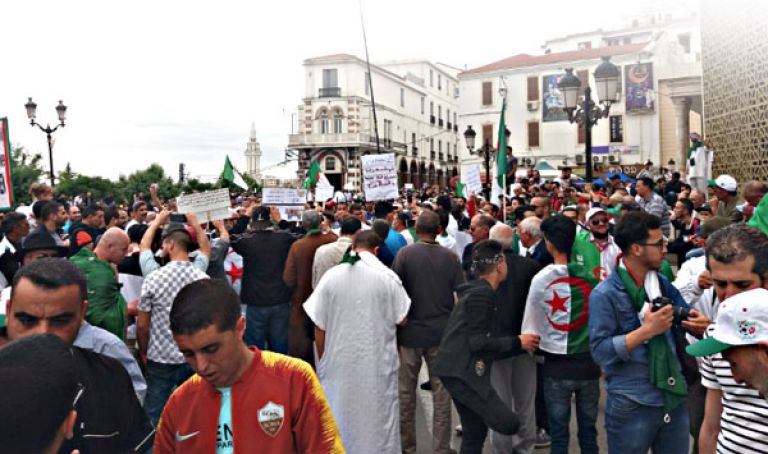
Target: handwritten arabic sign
{"x": 289, "y": 201}
{"x": 472, "y": 179}
{"x": 379, "y": 176}
{"x": 207, "y": 206}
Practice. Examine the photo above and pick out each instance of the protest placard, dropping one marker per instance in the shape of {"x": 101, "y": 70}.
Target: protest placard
{"x": 289, "y": 201}
{"x": 207, "y": 206}
{"x": 471, "y": 179}
{"x": 379, "y": 176}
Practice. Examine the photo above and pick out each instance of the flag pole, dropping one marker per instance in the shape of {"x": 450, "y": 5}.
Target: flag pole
{"x": 504, "y": 197}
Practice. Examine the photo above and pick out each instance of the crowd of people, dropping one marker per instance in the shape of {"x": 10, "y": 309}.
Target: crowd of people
{"x": 135, "y": 328}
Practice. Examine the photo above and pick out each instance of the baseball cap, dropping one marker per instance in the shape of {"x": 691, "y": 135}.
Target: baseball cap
{"x": 594, "y": 211}
{"x": 727, "y": 183}
{"x": 741, "y": 320}
{"x": 82, "y": 238}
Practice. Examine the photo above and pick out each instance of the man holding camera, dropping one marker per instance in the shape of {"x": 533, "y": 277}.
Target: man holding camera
{"x": 634, "y": 317}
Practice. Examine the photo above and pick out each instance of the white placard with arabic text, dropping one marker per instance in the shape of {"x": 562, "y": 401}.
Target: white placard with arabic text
{"x": 207, "y": 206}
{"x": 471, "y": 179}
{"x": 289, "y": 201}
{"x": 379, "y": 176}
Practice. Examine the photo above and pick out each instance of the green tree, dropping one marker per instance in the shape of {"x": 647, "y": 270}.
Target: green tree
{"x": 25, "y": 169}
{"x": 194, "y": 185}
{"x": 74, "y": 184}
{"x": 140, "y": 180}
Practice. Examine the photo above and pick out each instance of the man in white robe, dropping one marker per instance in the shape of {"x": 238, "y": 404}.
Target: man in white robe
{"x": 356, "y": 308}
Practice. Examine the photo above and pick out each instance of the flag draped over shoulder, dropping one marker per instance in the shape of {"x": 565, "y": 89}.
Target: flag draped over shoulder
{"x": 558, "y": 308}
{"x": 231, "y": 175}
{"x": 314, "y": 170}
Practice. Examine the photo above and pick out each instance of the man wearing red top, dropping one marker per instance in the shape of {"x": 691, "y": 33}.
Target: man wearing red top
{"x": 241, "y": 399}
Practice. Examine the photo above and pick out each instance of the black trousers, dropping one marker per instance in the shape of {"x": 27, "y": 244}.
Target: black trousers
{"x": 477, "y": 414}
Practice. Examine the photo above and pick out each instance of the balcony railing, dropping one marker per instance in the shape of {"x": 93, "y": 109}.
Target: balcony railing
{"x": 450, "y": 126}
{"x": 330, "y": 92}
{"x": 455, "y": 128}
{"x": 432, "y": 119}
{"x": 440, "y": 122}
{"x": 344, "y": 140}
{"x": 414, "y": 151}
{"x": 432, "y": 155}
{"x": 441, "y": 157}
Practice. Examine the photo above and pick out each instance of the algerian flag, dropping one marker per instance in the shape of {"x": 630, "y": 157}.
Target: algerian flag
{"x": 314, "y": 169}
{"x": 501, "y": 153}
{"x": 496, "y": 190}
{"x": 759, "y": 217}
{"x": 558, "y": 309}
{"x": 586, "y": 255}
{"x": 232, "y": 175}
{"x": 461, "y": 189}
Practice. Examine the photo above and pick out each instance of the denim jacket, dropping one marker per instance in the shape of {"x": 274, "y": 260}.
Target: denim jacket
{"x": 611, "y": 316}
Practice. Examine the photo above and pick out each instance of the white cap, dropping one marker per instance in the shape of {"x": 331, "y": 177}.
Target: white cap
{"x": 594, "y": 211}
{"x": 741, "y": 320}
{"x": 727, "y": 183}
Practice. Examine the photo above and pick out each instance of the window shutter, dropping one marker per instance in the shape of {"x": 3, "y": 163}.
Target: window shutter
{"x": 533, "y": 134}
{"x": 533, "y": 89}
{"x": 487, "y": 136}
{"x": 487, "y": 93}
{"x": 582, "y": 134}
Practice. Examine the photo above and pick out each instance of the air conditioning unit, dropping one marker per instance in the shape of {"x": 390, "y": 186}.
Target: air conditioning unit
{"x": 527, "y": 161}
{"x": 579, "y": 159}
{"x": 596, "y": 159}
{"x": 614, "y": 158}
{"x": 532, "y": 105}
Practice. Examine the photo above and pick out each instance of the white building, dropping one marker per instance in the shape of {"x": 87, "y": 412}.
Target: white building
{"x": 416, "y": 110}
{"x": 660, "y": 64}
{"x": 253, "y": 156}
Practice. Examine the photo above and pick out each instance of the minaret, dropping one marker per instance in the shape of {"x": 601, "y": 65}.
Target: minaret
{"x": 253, "y": 156}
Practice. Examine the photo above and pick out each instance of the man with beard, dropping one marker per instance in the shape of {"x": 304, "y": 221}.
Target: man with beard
{"x": 595, "y": 248}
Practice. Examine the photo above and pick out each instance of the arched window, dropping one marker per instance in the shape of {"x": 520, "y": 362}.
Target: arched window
{"x": 330, "y": 163}
{"x": 337, "y": 121}
{"x": 324, "y": 129}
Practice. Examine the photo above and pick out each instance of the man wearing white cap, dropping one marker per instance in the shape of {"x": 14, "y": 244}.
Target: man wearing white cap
{"x": 726, "y": 190}
{"x": 594, "y": 248}
{"x": 740, "y": 334}
{"x": 699, "y": 163}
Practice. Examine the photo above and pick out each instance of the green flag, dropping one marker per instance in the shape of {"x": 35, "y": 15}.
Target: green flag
{"x": 233, "y": 176}
{"x": 501, "y": 154}
{"x": 759, "y": 218}
{"x": 461, "y": 189}
{"x": 314, "y": 169}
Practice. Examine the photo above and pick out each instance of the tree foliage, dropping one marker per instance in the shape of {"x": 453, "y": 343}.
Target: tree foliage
{"x": 26, "y": 168}
{"x": 139, "y": 181}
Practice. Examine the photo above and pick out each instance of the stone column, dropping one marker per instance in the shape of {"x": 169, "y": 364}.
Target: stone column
{"x": 682, "y": 120}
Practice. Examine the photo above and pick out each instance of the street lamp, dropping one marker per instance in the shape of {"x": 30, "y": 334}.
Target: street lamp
{"x": 61, "y": 111}
{"x": 587, "y": 113}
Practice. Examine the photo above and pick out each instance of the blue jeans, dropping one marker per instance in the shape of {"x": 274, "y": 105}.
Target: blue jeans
{"x": 635, "y": 428}
{"x": 162, "y": 379}
{"x": 267, "y": 327}
{"x": 557, "y": 396}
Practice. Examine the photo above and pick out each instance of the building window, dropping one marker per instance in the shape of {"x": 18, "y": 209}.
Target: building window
{"x": 413, "y": 139}
{"x": 447, "y": 114}
{"x": 439, "y": 82}
{"x": 487, "y": 93}
{"x": 533, "y": 89}
{"x": 487, "y": 135}
{"x": 439, "y": 146}
{"x": 454, "y": 119}
{"x": 330, "y": 163}
{"x": 431, "y": 108}
{"x": 584, "y": 45}
{"x": 431, "y": 78}
{"x": 533, "y": 134}
{"x": 685, "y": 42}
{"x": 422, "y": 105}
{"x": 402, "y": 97}
{"x": 329, "y": 78}
{"x": 439, "y": 112}
{"x": 337, "y": 121}
{"x": 617, "y": 128}
{"x": 324, "y": 122}
{"x": 431, "y": 144}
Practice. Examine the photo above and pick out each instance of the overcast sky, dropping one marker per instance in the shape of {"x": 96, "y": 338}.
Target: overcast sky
{"x": 181, "y": 81}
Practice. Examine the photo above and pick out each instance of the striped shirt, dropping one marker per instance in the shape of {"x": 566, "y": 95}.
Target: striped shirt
{"x": 744, "y": 419}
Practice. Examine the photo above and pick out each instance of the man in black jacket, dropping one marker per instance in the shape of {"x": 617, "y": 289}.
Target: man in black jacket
{"x": 264, "y": 253}
{"x": 467, "y": 351}
{"x": 514, "y": 378}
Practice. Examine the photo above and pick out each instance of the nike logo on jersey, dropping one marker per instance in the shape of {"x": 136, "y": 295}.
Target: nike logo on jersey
{"x": 180, "y": 437}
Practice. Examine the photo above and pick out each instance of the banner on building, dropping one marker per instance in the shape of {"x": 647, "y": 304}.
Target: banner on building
{"x": 471, "y": 179}
{"x": 6, "y": 189}
{"x": 640, "y": 95}
{"x": 379, "y": 177}
{"x": 207, "y": 206}
{"x": 553, "y": 107}
{"x": 289, "y": 201}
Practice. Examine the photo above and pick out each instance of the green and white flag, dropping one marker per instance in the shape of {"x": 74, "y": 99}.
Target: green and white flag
{"x": 314, "y": 170}
{"x": 501, "y": 153}
{"x": 233, "y": 176}
{"x": 461, "y": 189}
{"x": 558, "y": 309}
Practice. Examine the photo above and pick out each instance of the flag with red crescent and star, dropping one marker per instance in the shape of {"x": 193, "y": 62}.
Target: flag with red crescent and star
{"x": 557, "y": 308}
{"x": 233, "y": 266}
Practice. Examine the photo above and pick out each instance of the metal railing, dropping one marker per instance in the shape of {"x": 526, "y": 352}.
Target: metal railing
{"x": 330, "y": 92}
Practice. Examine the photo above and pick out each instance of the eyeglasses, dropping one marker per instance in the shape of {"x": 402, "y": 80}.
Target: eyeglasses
{"x": 599, "y": 221}
{"x": 659, "y": 244}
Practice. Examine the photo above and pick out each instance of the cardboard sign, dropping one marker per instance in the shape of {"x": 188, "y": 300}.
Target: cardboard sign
{"x": 207, "y": 206}
{"x": 471, "y": 180}
{"x": 289, "y": 201}
{"x": 379, "y": 177}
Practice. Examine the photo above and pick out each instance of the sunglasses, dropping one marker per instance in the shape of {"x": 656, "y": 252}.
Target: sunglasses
{"x": 599, "y": 221}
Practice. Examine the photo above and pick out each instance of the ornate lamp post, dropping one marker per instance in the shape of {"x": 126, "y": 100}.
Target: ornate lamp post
{"x": 588, "y": 113}
{"x": 61, "y": 111}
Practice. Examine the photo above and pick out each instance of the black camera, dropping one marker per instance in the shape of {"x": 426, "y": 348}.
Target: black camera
{"x": 679, "y": 314}
{"x": 179, "y": 218}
